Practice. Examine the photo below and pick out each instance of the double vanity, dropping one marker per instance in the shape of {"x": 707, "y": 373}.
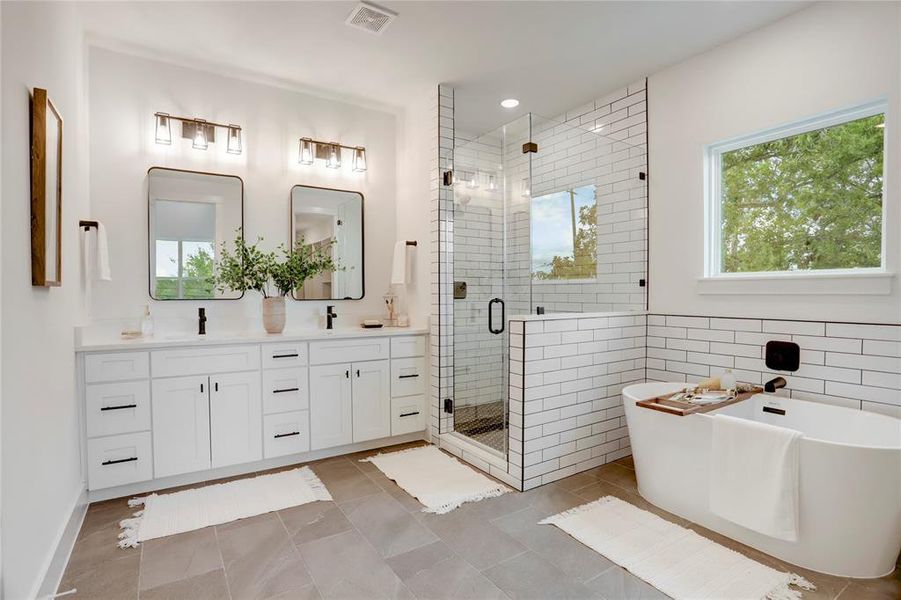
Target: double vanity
{"x": 165, "y": 412}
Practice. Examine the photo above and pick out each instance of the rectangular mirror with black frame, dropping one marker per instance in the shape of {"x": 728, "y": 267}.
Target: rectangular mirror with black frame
{"x": 321, "y": 217}
{"x": 190, "y": 215}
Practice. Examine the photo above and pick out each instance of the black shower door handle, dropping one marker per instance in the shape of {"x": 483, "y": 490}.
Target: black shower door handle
{"x": 491, "y": 315}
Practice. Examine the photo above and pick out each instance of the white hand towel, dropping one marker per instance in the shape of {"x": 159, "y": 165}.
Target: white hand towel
{"x": 101, "y": 255}
{"x": 399, "y": 264}
{"x": 754, "y": 475}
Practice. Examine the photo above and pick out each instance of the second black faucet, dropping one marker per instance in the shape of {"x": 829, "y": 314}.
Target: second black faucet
{"x": 330, "y": 314}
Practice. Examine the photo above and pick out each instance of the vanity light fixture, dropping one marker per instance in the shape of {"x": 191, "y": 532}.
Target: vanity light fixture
{"x": 200, "y": 142}
{"x": 163, "y": 132}
{"x": 492, "y": 183}
{"x": 306, "y": 151}
{"x": 234, "y": 140}
{"x": 201, "y": 132}
{"x": 524, "y": 190}
{"x": 331, "y": 153}
{"x": 334, "y": 157}
{"x": 472, "y": 180}
{"x": 359, "y": 159}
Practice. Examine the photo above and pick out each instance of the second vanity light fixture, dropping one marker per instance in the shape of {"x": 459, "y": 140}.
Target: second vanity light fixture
{"x": 330, "y": 152}
{"x": 200, "y": 131}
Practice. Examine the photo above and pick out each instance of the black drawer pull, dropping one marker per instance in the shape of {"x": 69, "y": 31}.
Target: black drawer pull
{"x": 408, "y": 376}
{"x": 295, "y": 355}
{"x": 121, "y": 460}
{"x": 120, "y": 407}
{"x": 281, "y": 435}
{"x": 285, "y": 390}
{"x": 409, "y": 414}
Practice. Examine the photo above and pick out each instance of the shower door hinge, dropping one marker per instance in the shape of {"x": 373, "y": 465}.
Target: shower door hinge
{"x": 448, "y": 178}
{"x": 448, "y": 405}
{"x": 529, "y": 147}
{"x": 642, "y": 175}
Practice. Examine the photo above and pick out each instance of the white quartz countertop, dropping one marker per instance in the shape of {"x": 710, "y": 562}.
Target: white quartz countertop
{"x": 96, "y": 342}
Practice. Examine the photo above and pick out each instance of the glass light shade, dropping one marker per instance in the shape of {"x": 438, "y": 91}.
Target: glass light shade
{"x": 163, "y": 132}
{"x": 200, "y": 141}
{"x": 524, "y": 188}
{"x": 492, "y": 183}
{"x": 334, "y": 157}
{"x": 472, "y": 180}
{"x": 305, "y": 157}
{"x": 234, "y": 140}
{"x": 359, "y": 159}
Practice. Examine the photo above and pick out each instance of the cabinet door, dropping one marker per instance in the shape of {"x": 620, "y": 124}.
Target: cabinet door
{"x": 331, "y": 422}
{"x": 181, "y": 425}
{"x": 372, "y": 400}
{"x": 236, "y": 419}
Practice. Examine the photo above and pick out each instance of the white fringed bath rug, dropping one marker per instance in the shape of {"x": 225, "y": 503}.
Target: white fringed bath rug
{"x": 221, "y": 503}
{"x": 439, "y": 481}
{"x": 675, "y": 560}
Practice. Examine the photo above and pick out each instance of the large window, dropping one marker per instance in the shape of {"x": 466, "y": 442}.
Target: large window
{"x": 565, "y": 235}
{"x": 183, "y": 269}
{"x": 802, "y": 198}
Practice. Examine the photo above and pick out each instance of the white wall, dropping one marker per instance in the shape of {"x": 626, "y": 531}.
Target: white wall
{"x": 829, "y": 56}
{"x": 41, "y": 47}
{"x": 414, "y": 141}
{"x": 126, "y": 90}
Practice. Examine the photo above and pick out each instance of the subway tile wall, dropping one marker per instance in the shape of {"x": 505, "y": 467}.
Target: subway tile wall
{"x": 858, "y": 366}
{"x": 566, "y": 378}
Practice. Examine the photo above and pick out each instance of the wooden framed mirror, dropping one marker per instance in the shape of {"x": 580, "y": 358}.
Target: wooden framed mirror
{"x": 46, "y": 190}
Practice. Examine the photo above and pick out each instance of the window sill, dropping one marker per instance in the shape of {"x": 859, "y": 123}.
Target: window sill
{"x": 839, "y": 284}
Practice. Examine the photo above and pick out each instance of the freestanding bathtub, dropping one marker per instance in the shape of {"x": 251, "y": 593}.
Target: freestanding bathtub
{"x": 850, "y": 472}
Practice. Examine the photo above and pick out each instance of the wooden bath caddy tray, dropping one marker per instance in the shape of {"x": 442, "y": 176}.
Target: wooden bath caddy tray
{"x": 682, "y": 407}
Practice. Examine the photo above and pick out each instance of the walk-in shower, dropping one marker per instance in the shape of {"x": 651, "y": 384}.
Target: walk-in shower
{"x": 545, "y": 218}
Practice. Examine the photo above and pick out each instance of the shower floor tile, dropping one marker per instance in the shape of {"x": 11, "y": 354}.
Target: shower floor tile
{"x": 481, "y": 551}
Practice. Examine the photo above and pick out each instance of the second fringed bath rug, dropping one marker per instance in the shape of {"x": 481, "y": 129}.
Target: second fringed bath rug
{"x": 675, "y": 560}
{"x": 192, "y": 509}
{"x": 439, "y": 481}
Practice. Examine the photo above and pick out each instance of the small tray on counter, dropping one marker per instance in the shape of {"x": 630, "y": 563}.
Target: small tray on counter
{"x": 682, "y": 408}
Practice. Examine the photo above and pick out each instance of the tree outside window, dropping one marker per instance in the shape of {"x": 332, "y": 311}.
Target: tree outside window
{"x": 564, "y": 236}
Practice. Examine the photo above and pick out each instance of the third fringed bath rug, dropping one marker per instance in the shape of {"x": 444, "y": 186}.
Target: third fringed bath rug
{"x": 675, "y": 560}
{"x": 439, "y": 481}
{"x": 197, "y": 508}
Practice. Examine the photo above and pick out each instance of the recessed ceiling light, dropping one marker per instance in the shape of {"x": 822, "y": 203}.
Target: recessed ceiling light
{"x": 510, "y": 103}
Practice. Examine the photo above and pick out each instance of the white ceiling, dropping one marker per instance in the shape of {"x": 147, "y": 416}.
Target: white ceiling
{"x": 550, "y": 55}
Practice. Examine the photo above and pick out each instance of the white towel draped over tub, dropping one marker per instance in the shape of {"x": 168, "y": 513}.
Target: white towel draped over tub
{"x": 754, "y": 477}
{"x": 95, "y": 251}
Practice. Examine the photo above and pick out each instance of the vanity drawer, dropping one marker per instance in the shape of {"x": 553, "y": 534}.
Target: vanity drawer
{"x": 403, "y": 347}
{"x": 287, "y": 433}
{"x": 114, "y": 408}
{"x": 119, "y": 460}
{"x": 276, "y": 356}
{"x": 407, "y": 414}
{"x": 408, "y": 376}
{"x": 285, "y": 390}
{"x": 342, "y": 351}
{"x": 119, "y": 366}
{"x": 203, "y": 361}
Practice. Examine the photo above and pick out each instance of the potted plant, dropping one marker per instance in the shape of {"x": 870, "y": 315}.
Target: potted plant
{"x": 272, "y": 274}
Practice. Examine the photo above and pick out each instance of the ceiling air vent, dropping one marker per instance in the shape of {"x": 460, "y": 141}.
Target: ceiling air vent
{"x": 370, "y": 17}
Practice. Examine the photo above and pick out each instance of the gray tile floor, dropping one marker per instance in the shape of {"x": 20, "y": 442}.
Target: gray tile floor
{"x": 373, "y": 541}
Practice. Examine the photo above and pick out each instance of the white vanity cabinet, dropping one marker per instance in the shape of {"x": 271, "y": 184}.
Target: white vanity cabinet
{"x": 171, "y": 412}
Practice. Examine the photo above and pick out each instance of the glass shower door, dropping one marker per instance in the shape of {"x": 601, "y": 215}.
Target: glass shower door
{"x": 491, "y": 176}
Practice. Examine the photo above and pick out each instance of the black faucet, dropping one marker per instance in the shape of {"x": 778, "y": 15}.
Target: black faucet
{"x": 330, "y": 314}
{"x": 774, "y": 384}
{"x": 201, "y": 321}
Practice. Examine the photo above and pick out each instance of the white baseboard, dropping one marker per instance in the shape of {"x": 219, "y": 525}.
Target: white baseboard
{"x": 56, "y": 566}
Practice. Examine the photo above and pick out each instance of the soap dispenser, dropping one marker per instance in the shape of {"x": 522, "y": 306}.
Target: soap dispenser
{"x": 147, "y": 322}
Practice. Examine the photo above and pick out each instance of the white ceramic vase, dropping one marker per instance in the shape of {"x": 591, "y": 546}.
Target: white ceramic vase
{"x": 274, "y": 314}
